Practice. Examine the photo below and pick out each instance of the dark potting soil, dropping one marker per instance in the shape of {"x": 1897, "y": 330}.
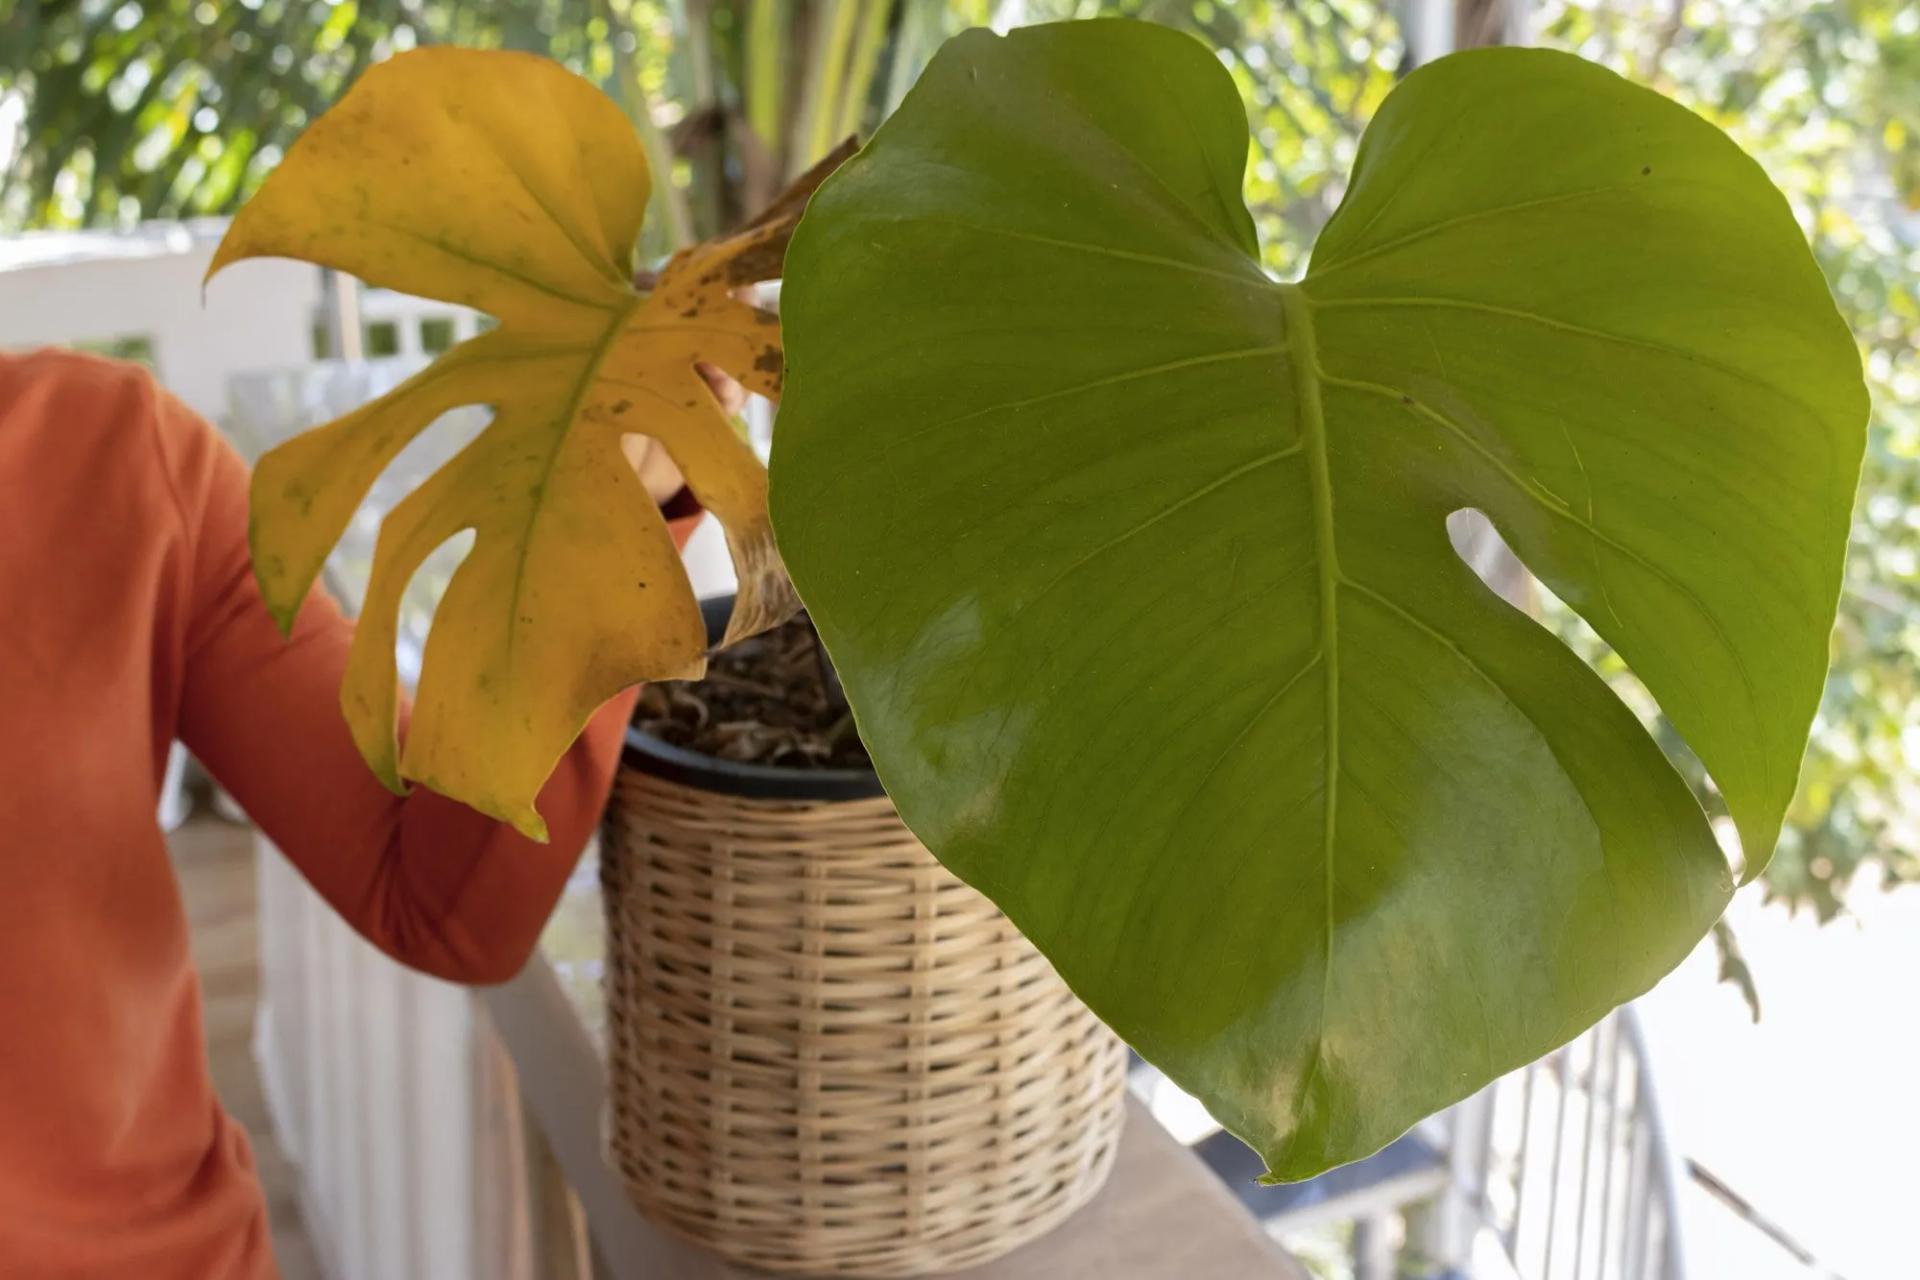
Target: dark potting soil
{"x": 766, "y": 700}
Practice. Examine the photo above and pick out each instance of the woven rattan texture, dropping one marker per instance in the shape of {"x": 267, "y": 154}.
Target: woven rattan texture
{"x": 828, "y": 1056}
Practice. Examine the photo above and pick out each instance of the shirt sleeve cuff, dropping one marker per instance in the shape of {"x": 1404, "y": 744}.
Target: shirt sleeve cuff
{"x": 681, "y": 505}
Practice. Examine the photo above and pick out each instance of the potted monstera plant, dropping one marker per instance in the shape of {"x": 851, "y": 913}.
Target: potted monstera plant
{"x": 1133, "y": 560}
{"x": 826, "y": 1053}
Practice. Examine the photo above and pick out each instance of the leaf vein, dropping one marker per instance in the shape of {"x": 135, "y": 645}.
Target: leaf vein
{"x": 1704, "y": 361}
{"x": 1265, "y": 460}
{"x": 435, "y": 242}
{"x": 1109, "y": 251}
{"x": 590, "y": 254}
{"x": 1447, "y": 224}
{"x": 1136, "y": 375}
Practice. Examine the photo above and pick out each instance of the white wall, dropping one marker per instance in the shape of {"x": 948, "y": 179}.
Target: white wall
{"x": 61, "y": 288}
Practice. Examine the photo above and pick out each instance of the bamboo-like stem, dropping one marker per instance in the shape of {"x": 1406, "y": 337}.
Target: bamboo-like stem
{"x": 702, "y": 145}
{"x": 871, "y": 34}
{"x": 765, "y": 83}
{"x": 668, "y": 201}
{"x": 698, "y": 18}
{"x": 909, "y": 52}
{"x": 833, "y": 24}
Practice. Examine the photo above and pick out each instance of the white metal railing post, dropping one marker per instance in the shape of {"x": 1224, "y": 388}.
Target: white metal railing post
{"x": 1444, "y": 1233}
{"x": 1429, "y": 29}
{"x": 1668, "y": 1178}
{"x": 1579, "y": 1182}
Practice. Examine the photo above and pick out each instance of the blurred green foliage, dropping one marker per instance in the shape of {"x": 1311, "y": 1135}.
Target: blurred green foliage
{"x": 130, "y": 109}
{"x": 124, "y": 110}
{"x": 169, "y": 108}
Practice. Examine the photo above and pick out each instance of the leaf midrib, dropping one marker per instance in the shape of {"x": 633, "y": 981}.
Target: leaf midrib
{"x": 589, "y": 375}
{"x": 1297, "y": 309}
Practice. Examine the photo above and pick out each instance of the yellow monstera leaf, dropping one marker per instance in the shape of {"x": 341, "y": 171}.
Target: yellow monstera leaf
{"x": 502, "y": 182}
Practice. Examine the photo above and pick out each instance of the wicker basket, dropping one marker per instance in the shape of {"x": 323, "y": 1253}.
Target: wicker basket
{"x": 828, "y": 1056}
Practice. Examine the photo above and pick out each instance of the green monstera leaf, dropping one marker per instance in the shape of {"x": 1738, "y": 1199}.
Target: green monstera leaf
{"x": 1135, "y": 562}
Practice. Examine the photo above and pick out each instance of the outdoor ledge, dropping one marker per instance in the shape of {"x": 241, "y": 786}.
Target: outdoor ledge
{"x": 1162, "y": 1213}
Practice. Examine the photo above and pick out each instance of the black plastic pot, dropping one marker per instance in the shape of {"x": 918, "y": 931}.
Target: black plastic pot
{"x": 662, "y": 759}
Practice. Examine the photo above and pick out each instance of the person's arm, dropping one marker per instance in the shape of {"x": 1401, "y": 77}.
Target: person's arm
{"x": 432, "y": 883}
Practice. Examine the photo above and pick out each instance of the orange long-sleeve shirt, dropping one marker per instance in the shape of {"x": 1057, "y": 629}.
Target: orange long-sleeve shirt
{"x": 129, "y": 616}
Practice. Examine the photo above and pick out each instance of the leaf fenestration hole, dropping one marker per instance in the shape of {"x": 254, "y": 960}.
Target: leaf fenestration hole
{"x": 708, "y": 563}
{"x": 1481, "y": 548}
{"x": 350, "y": 566}
{"x": 421, "y": 600}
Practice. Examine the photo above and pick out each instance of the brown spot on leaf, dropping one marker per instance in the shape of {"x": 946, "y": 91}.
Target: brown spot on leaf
{"x": 757, "y": 262}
